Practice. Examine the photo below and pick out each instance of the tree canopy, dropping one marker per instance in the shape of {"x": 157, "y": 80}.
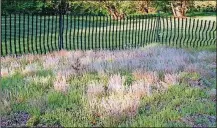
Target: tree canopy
{"x": 116, "y": 8}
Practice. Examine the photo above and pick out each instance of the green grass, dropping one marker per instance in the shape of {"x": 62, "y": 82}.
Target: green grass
{"x": 192, "y": 14}
{"x": 50, "y": 107}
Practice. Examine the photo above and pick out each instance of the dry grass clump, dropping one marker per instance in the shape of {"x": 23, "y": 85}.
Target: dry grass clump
{"x": 31, "y": 69}
{"x": 163, "y": 59}
{"x": 118, "y": 100}
{"x": 154, "y": 59}
{"x": 157, "y": 79}
{"x": 116, "y": 84}
{"x": 4, "y": 72}
{"x": 60, "y": 84}
{"x": 95, "y": 89}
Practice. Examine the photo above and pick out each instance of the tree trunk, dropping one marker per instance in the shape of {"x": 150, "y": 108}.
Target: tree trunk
{"x": 114, "y": 12}
{"x": 179, "y": 10}
{"x": 144, "y": 6}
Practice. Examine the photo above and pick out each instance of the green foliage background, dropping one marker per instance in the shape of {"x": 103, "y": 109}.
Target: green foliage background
{"x": 96, "y": 7}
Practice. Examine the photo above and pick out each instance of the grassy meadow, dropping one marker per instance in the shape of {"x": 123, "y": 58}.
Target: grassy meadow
{"x": 153, "y": 86}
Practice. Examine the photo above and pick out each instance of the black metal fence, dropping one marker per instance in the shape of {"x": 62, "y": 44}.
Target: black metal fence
{"x": 36, "y": 33}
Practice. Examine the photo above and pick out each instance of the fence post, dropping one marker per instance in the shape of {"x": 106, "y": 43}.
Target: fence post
{"x": 158, "y": 27}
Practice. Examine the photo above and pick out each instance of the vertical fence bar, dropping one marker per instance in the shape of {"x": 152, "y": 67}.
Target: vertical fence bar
{"x": 146, "y": 29}
{"x": 158, "y": 28}
{"x": 92, "y": 32}
{"x": 203, "y": 39}
{"x": 10, "y": 35}
{"x": 70, "y": 45}
{"x": 171, "y": 29}
{"x": 24, "y": 48}
{"x": 193, "y": 32}
{"x": 41, "y": 50}
{"x": 116, "y": 34}
{"x": 113, "y": 31}
{"x": 82, "y": 27}
{"x": 186, "y": 26}
{"x": 95, "y": 34}
{"x": 127, "y": 35}
{"x": 174, "y": 20}
{"x": 110, "y": 27}
{"x": 103, "y": 33}
{"x": 60, "y": 31}
{"x": 196, "y": 30}
{"x": 85, "y": 34}
{"x": 81, "y": 31}
{"x": 15, "y": 46}
{"x": 89, "y": 26}
{"x": 207, "y": 31}
{"x": 28, "y": 33}
{"x": 100, "y": 26}
{"x": 2, "y": 54}
{"x": 51, "y": 40}
{"x": 32, "y": 32}
{"x": 182, "y": 32}
{"x": 56, "y": 39}
{"x": 78, "y": 32}
{"x": 123, "y": 33}
{"x": 45, "y": 49}
{"x": 6, "y": 46}
{"x": 178, "y": 27}
{"x": 214, "y": 34}
{"x": 74, "y": 45}
{"x": 106, "y": 33}
{"x": 153, "y": 29}
{"x": 131, "y": 26}
{"x": 136, "y": 32}
{"x": 48, "y": 34}
{"x": 201, "y": 32}
{"x": 67, "y": 27}
{"x": 142, "y": 30}
{"x": 120, "y": 45}
{"x": 36, "y": 37}
{"x": 189, "y": 34}
{"x": 164, "y": 28}
{"x": 139, "y": 32}
{"x": 167, "y": 20}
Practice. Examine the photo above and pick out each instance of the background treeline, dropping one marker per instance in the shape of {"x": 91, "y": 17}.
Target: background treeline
{"x": 116, "y": 8}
